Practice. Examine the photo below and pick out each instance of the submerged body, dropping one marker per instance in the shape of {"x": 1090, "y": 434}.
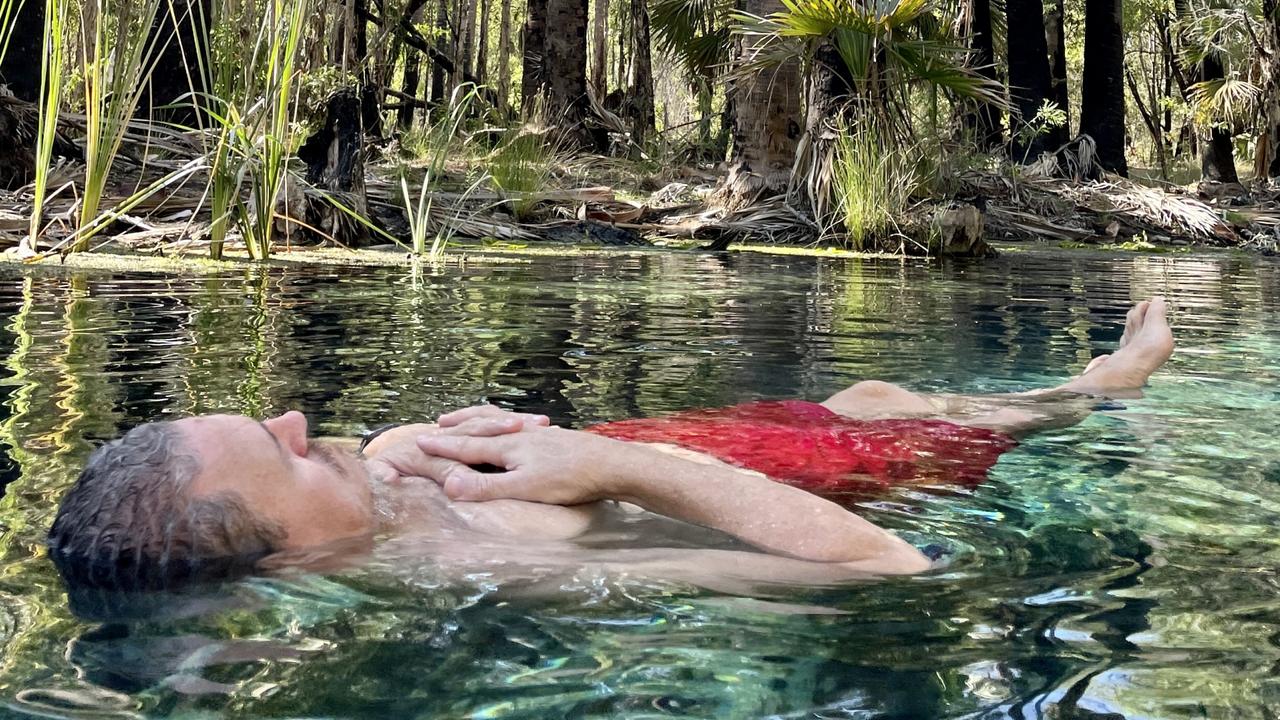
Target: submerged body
{"x": 810, "y": 446}
{"x": 205, "y": 490}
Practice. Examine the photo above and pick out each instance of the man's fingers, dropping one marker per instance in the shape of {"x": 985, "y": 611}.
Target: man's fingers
{"x": 464, "y": 448}
{"x": 486, "y": 426}
{"x": 468, "y": 485}
{"x": 457, "y": 417}
{"x": 435, "y": 468}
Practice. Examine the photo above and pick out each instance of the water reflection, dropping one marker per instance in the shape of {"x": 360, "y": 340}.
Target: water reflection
{"x": 1114, "y": 567}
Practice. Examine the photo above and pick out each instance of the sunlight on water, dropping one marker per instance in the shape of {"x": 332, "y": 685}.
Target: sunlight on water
{"x": 1124, "y": 566}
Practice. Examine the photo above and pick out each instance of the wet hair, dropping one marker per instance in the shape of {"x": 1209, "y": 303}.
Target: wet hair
{"x": 130, "y": 524}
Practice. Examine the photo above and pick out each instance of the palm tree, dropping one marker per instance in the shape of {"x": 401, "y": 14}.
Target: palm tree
{"x": 767, "y": 117}
{"x": 866, "y": 61}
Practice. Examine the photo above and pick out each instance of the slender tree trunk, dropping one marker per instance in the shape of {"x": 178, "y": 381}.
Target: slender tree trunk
{"x": 1102, "y": 101}
{"x": 1029, "y": 81}
{"x": 985, "y": 120}
{"x": 504, "y": 56}
{"x": 482, "y": 45}
{"x": 566, "y": 66}
{"x": 533, "y": 82}
{"x": 641, "y": 85}
{"x": 767, "y": 124}
{"x": 410, "y": 86}
{"x": 439, "y": 75}
{"x": 21, "y": 67}
{"x": 468, "y": 19}
{"x": 600, "y": 49}
{"x": 1055, "y": 37}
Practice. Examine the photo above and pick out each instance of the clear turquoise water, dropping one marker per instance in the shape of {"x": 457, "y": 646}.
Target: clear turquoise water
{"x": 1125, "y": 566}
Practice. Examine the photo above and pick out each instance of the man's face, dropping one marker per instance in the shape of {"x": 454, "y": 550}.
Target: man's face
{"x": 316, "y": 492}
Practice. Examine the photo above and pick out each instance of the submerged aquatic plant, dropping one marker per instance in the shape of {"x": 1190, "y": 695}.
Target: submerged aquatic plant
{"x": 113, "y": 36}
{"x": 872, "y": 183}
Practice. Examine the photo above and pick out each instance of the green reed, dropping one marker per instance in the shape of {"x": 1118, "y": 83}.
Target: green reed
{"x": 114, "y": 43}
{"x": 51, "y": 69}
{"x": 434, "y": 143}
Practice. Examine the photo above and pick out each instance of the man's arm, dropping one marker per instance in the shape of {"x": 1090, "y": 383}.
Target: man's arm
{"x": 564, "y": 467}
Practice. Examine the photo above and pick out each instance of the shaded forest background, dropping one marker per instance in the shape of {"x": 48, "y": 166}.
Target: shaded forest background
{"x": 887, "y": 125}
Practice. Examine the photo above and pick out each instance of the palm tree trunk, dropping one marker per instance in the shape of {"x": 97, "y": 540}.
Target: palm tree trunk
{"x": 767, "y": 122}
{"x": 830, "y": 94}
{"x": 1029, "y": 81}
{"x": 533, "y": 81}
{"x": 504, "y": 56}
{"x": 600, "y": 49}
{"x": 566, "y": 63}
{"x": 641, "y": 85}
{"x": 1102, "y": 101}
{"x": 1217, "y": 163}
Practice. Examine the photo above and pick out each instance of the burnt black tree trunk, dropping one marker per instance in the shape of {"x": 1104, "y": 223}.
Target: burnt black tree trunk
{"x": 21, "y": 67}
{"x": 1055, "y": 37}
{"x": 985, "y": 120}
{"x": 409, "y": 86}
{"x": 1102, "y": 98}
{"x": 439, "y": 72}
{"x": 1029, "y": 82}
{"x": 533, "y": 82}
{"x": 177, "y": 85}
{"x": 1218, "y": 163}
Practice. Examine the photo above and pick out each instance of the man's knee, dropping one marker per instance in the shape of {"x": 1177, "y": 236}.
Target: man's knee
{"x": 877, "y": 390}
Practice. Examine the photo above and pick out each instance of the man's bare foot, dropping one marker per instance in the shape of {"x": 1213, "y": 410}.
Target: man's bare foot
{"x": 1146, "y": 344}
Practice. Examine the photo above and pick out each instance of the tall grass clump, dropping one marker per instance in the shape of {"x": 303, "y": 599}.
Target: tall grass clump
{"x": 118, "y": 58}
{"x": 433, "y": 144}
{"x": 251, "y": 103}
{"x": 51, "y": 67}
{"x": 523, "y": 166}
{"x": 873, "y": 179}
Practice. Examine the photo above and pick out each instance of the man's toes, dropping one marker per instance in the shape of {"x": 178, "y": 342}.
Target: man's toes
{"x": 1134, "y": 321}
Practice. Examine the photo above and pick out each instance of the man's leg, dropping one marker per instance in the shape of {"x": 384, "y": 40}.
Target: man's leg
{"x": 1146, "y": 345}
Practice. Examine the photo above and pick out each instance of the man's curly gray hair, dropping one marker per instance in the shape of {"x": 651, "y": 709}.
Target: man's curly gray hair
{"x": 129, "y": 522}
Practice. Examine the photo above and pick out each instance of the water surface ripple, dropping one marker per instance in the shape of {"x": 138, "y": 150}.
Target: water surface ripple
{"x": 1125, "y": 567}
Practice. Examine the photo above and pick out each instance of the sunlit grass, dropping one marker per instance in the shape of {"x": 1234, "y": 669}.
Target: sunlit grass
{"x": 872, "y": 184}
{"x": 522, "y": 166}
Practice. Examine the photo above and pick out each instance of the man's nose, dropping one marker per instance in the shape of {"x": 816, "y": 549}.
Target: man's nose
{"x": 291, "y": 430}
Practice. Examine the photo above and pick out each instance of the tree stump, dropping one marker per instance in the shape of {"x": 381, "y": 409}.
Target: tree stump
{"x": 334, "y": 156}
